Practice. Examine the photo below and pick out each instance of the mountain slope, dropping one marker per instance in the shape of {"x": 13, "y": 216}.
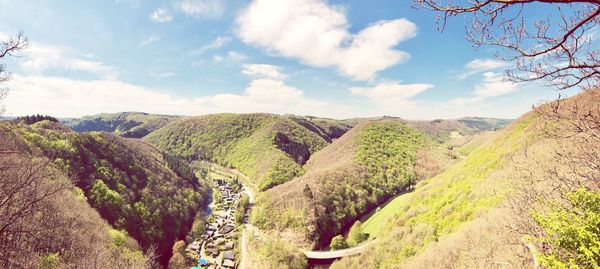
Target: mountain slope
{"x": 441, "y": 207}
{"x": 46, "y": 221}
{"x": 358, "y": 171}
{"x": 135, "y": 187}
{"x": 269, "y": 149}
{"x": 125, "y": 124}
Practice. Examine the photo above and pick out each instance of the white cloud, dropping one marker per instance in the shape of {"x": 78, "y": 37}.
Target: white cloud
{"x": 492, "y": 85}
{"x": 263, "y": 70}
{"x": 148, "y": 40}
{"x": 231, "y": 56}
{"x": 482, "y": 65}
{"x": 160, "y": 15}
{"x": 390, "y": 95}
{"x": 317, "y": 34}
{"x": 40, "y": 57}
{"x": 206, "y": 8}
{"x": 163, "y": 75}
{"x": 218, "y": 42}
{"x": 74, "y": 98}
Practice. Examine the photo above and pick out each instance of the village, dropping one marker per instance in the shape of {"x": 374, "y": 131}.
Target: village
{"x": 216, "y": 248}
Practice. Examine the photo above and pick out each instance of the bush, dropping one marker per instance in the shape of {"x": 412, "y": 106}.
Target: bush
{"x": 356, "y": 234}
{"x": 572, "y": 232}
{"x": 338, "y": 242}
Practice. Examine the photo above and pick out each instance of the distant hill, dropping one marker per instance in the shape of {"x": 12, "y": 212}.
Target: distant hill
{"x": 373, "y": 161}
{"x": 135, "y": 187}
{"x": 125, "y": 124}
{"x": 270, "y": 149}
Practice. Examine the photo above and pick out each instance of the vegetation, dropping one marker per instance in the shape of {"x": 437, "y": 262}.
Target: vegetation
{"x": 154, "y": 197}
{"x": 35, "y": 118}
{"x": 360, "y": 170}
{"x": 356, "y": 234}
{"x": 269, "y": 149}
{"x": 328, "y": 129}
{"x": 375, "y": 223}
{"x": 441, "y": 204}
{"x": 274, "y": 253}
{"x": 125, "y": 124}
{"x": 338, "y": 242}
{"x": 571, "y": 234}
{"x": 45, "y": 223}
{"x": 242, "y": 205}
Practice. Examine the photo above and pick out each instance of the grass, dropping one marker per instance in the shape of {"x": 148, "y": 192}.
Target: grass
{"x": 384, "y": 215}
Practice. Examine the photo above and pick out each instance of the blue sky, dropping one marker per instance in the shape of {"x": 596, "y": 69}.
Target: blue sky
{"x": 335, "y": 59}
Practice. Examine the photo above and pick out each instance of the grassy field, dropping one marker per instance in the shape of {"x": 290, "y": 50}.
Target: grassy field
{"x": 374, "y": 223}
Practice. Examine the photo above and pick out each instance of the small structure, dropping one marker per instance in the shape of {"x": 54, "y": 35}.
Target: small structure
{"x": 229, "y": 246}
{"x": 228, "y": 263}
{"x": 212, "y": 251}
{"x": 195, "y": 246}
{"x": 227, "y": 229}
{"x": 228, "y": 255}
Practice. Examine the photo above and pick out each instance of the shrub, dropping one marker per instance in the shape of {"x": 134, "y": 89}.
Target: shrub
{"x": 338, "y": 242}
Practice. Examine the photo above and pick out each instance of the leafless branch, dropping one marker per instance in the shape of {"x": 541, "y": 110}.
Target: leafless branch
{"x": 558, "y": 49}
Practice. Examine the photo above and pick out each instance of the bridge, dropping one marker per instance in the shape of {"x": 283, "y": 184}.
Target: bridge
{"x": 329, "y": 255}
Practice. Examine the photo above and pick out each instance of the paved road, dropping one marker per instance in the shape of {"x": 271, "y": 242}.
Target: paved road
{"x": 244, "y": 249}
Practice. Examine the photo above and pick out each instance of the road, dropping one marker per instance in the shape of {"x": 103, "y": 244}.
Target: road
{"x": 336, "y": 254}
{"x": 244, "y": 249}
{"x": 310, "y": 254}
{"x": 244, "y": 244}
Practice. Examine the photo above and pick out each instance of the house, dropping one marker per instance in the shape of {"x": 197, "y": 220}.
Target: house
{"x": 228, "y": 263}
{"x": 228, "y": 255}
{"x": 212, "y": 251}
{"x": 229, "y": 246}
{"x": 227, "y": 229}
{"x": 195, "y": 246}
{"x": 212, "y": 227}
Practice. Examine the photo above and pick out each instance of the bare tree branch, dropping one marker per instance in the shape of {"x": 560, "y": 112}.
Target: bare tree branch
{"x": 9, "y": 47}
{"x": 558, "y": 49}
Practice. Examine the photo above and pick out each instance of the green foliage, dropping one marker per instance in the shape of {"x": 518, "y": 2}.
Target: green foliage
{"x": 50, "y": 261}
{"x": 441, "y": 204}
{"x": 386, "y": 152}
{"x": 269, "y": 149}
{"x": 35, "y": 118}
{"x": 125, "y": 124}
{"x": 572, "y": 232}
{"x": 243, "y": 203}
{"x": 154, "y": 197}
{"x": 328, "y": 129}
{"x": 280, "y": 254}
{"x": 376, "y": 222}
{"x": 338, "y": 242}
{"x": 356, "y": 234}
{"x": 106, "y": 200}
{"x": 216, "y": 197}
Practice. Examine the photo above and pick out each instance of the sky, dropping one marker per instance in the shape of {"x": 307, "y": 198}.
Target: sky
{"x": 336, "y": 59}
